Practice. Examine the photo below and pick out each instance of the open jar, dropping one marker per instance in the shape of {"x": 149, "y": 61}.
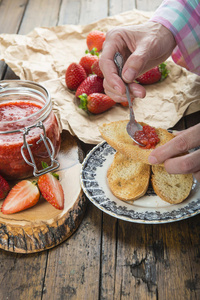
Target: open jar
{"x": 29, "y": 131}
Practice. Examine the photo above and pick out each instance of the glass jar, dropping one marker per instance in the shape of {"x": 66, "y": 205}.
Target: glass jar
{"x": 29, "y": 131}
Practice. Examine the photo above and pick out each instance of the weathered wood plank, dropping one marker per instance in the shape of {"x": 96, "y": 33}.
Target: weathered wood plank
{"x": 92, "y": 11}
{"x": 176, "y": 248}
{"x": 108, "y": 257}
{"x": 40, "y": 13}
{"x": 11, "y": 13}
{"x": 119, "y": 6}
{"x": 70, "y": 12}
{"x": 135, "y": 265}
{"x": 148, "y": 5}
{"x": 21, "y": 276}
{"x": 73, "y": 268}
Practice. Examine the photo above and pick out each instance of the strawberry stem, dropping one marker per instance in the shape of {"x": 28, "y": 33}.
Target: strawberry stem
{"x": 83, "y": 102}
{"x": 93, "y": 52}
{"x": 164, "y": 71}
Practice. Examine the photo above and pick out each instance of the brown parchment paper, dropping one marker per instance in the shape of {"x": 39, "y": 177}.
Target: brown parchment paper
{"x": 45, "y": 53}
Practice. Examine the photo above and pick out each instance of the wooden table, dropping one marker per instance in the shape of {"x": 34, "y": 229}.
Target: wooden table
{"x": 105, "y": 258}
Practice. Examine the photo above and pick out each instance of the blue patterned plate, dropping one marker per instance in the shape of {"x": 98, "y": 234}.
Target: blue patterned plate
{"x": 149, "y": 209}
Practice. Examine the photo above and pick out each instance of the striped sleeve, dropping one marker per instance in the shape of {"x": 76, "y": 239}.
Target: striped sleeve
{"x": 182, "y": 18}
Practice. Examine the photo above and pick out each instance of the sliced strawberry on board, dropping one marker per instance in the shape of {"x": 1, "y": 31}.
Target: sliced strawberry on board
{"x": 96, "y": 103}
{"x": 95, "y": 39}
{"x": 51, "y": 190}
{"x": 4, "y": 188}
{"x": 23, "y": 195}
{"x": 154, "y": 75}
{"x": 92, "y": 84}
{"x": 75, "y": 74}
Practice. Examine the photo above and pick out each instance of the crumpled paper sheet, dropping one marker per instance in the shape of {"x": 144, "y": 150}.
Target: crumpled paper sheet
{"x": 45, "y": 53}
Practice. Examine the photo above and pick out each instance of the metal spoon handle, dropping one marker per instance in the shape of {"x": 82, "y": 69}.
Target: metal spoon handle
{"x": 118, "y": 59}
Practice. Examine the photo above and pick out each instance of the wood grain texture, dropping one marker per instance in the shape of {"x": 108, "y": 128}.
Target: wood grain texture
{"x": 105, "y": 258}
{"x": 42, "y": 226}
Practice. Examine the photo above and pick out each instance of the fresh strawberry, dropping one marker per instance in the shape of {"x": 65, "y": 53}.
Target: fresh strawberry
{"x": 96, "y": 103}
{"x": 51, "y": 190}
{"x": 4, "y": 188}
{"x": 87, "y": 61}
{"x": 95, "y": 39}
{"x": 154, "y": 75}
{"x": 96, "y": 69}
{"x": 74, "y": 75}
{"x": 92, "y": 84}
{"x": 23, "y": 195}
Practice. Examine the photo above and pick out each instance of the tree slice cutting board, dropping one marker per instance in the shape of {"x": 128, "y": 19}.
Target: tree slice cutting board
{"x": 42, "y": 226}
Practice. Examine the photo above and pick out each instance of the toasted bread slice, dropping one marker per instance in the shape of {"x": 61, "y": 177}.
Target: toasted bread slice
{"x": 127, "y": 179}
{"x": 116, "y": 135}
{"x": 173, "y": 188}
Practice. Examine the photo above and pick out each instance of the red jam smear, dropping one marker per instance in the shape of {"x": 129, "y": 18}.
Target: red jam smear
{"x": 12, "y": 164}
{"x": 148, "y": 137}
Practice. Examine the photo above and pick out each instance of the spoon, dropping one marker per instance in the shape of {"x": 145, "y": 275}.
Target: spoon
{"x": 132, "y": 125}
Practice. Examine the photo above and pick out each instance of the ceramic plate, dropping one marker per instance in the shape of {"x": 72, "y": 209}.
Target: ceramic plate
{"x": 148, "y": 209}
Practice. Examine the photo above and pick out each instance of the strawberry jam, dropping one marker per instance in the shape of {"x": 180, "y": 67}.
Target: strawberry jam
{"x": 17, "y": 112}
{"x": 148, "y": 137}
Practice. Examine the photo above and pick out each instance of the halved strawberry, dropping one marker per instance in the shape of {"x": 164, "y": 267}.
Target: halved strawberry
{"x": 51, "y": 189}
{"x": 4, "y": 188}
{"x": 23, "y": 195}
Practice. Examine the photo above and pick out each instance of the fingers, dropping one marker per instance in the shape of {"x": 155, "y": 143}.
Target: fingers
{"x": 181, "y": 144}
{"x": 189, "y": 163}
{"x": 135, "y": 89}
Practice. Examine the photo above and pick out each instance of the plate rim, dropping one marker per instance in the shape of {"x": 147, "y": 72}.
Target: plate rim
{"x": 125, "y": 218}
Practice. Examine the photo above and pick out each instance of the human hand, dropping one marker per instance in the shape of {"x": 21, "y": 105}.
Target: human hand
{"x": 143, "y": 47}
{"x": 182, "y": 143}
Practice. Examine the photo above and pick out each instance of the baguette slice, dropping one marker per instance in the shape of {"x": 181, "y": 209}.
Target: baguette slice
{"x": 173, "y": 188}
{"x": 116, "y": 136}
{"x": 128, "y": 180}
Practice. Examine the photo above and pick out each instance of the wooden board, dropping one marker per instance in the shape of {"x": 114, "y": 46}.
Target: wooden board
{"x": 42, "y": 226}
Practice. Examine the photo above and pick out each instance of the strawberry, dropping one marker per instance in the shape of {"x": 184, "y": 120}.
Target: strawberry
{"x": 74, "y": 75}
{"x": 51, "y": 190}
{"x": 154, "y": 75}
{"x": 87, "y": 61}
{"x": 95, "y": 39}
{"x": 96, "y": 69}
{"x": 96, "y": 103}
{"x": 92, "y": 84}
{"x": 23, "y": 195}
{"x": 4, "y": 188}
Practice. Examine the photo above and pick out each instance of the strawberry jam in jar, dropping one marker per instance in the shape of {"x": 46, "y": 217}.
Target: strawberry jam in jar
{"x": 29, "y": 131}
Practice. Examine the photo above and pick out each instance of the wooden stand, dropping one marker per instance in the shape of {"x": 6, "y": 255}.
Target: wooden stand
{"x": 42, "y": 226}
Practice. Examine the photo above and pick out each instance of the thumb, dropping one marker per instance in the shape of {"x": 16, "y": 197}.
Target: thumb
{"x": 134, "y": 65}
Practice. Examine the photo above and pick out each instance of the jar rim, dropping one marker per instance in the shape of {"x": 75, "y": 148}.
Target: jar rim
{"x": 26, "y": 86}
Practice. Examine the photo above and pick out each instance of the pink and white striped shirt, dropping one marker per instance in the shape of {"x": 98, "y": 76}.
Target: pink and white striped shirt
{"x": 182, "y": 18}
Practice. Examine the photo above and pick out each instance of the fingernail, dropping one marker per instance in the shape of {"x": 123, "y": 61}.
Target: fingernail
{"x": 129, "y": 75}
{"x": 152, "y": 160}
{"x": 138, "y": 93}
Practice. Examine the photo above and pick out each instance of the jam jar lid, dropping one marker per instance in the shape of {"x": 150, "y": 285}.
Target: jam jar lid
{"x": 24, "y": 90}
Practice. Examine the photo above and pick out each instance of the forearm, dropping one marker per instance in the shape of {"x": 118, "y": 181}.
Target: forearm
{"x": 182, "y": 18}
